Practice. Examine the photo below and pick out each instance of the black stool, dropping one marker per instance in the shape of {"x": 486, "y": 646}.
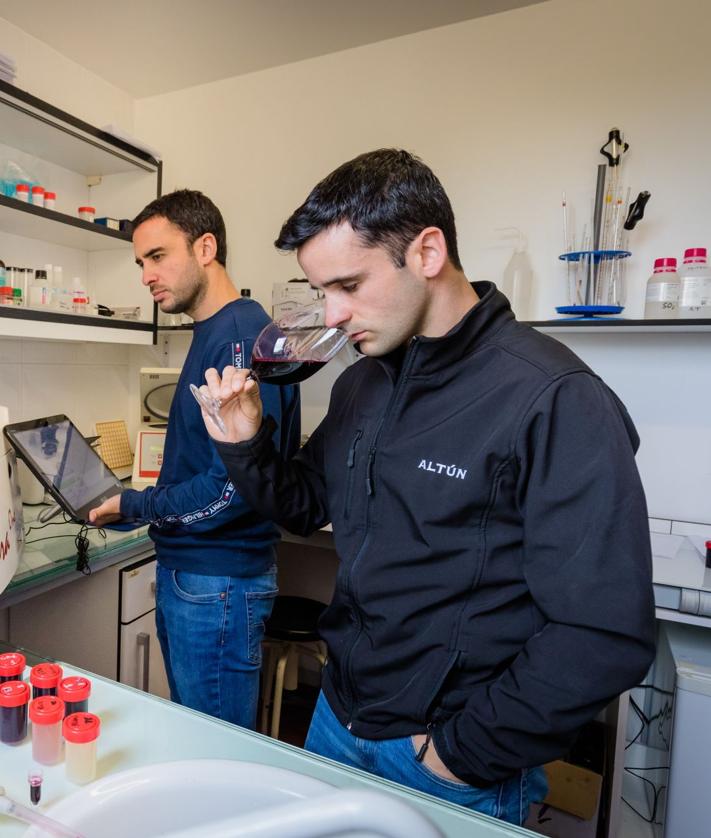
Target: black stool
{"x": 291, "y": 631}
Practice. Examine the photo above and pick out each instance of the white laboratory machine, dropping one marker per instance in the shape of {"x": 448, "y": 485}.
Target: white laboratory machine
{"x": 157, "y": 388}
{"x": 11, "y": 520}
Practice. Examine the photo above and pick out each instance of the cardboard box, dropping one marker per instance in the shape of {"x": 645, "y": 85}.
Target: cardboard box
{"x": 545, "y": 820}
{"x": 288, "y": 295}
{"x": 573, "y": 789}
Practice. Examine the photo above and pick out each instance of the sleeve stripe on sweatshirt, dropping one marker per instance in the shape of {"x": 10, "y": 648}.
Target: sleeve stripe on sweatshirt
{"x": 209, "y": 511}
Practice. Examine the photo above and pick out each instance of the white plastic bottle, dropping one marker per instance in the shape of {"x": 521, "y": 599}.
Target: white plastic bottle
{"x": 517, "y": 280}
{"x": 662, "y": 297}
{"x": 695, "y": 284}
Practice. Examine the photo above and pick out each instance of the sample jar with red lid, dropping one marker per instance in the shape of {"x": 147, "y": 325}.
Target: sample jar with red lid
{"x": 14, "y": 698}
{"x": 81, "y": 730}
{"x": 45, "y": 678}
{"x": 12, "y": 665}
{"x": 22, "y": 192}
{"x": 46, "y": 715}
{"x": 87, "y": 213}
{"x": 74, "y": 692}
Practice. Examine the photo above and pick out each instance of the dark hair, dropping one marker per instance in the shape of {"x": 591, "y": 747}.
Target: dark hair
{"x": 193, "y": 213}
{"x": 388, "y": 197}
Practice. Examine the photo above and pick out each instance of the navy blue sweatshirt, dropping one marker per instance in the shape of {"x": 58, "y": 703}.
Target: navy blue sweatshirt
{"x": 199, "y": 522}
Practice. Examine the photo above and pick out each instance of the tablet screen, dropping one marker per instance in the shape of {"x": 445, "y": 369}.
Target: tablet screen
{"x": 68, "y": 463}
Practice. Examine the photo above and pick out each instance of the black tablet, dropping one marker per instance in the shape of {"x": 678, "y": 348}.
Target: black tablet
{"x": 62, "y": 460}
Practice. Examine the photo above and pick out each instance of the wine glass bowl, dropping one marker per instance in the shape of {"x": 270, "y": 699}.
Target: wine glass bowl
{"x": 286, "y": 351}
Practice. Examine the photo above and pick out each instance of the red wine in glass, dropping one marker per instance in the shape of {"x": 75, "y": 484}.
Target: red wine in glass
{"x": 286, "y": 352}
{"x": 277, "y": 371}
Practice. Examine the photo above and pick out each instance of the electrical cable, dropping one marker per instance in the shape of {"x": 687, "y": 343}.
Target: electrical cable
{"x": 82, "y": 543}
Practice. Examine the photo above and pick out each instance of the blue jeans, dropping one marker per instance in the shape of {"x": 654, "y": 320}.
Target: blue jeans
{"x": 394, "y": 759}
{"x": 210, "y": 630}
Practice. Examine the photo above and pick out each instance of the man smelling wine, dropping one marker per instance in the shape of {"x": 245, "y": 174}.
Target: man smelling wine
{"x": 495, "y": 586}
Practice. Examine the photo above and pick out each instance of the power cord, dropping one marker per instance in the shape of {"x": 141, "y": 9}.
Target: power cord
{"x": 82, "y": 543}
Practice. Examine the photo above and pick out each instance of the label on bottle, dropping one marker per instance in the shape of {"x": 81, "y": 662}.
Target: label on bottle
{"x": 662, "y": 292}
{"x": 694, "y": 292}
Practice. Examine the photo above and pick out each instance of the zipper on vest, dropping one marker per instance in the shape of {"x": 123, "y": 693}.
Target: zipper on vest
{"x": 370, "y": 488}
{"x": 350, "y": 463}
{"x": 369, "y": 485}
{"x": 420, "y": 755}
{"x": 352, "y": 452}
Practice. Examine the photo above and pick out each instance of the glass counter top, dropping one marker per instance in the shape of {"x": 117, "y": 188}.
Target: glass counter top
{"x": 50, "y": 549}
{"x": 138, "y": 729}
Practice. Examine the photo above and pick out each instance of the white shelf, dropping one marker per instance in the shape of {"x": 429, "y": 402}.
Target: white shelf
{"x": 44, "y": 131}
{"x": 51, "y": 325}
{"x": 50, "y": 134}
{"x": 32, "y": 222}
{"x": 600, "y": 325}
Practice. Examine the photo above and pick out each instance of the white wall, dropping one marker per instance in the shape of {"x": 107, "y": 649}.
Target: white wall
{"x": 509, "y": 110}
{"x": 46, "y": 73}
{"x": 89, "y": 382}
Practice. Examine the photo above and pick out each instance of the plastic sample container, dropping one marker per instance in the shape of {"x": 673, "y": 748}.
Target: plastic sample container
{"x": 12, "y": 665}
{"x": 14, "y": 697}
{"x": 81, "y": 730}
{"x": 45, "y": 678}
{"x": 87, "y": 213}
{"x": 50, "y": 200}
{"x": 74, "y": 692}
{"x": 38, "y": 196}
{"x": 22, "y": 192}
{"x": 46, "y": 715}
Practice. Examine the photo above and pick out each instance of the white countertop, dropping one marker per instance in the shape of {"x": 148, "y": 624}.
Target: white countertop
{"x": 138, "y": 729}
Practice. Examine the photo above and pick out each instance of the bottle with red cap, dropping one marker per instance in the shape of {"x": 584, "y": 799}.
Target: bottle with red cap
{"x": 662, "y": 290}
{"x": 695, "y": 284}
{"x": 81, "y": 730}
{"x": 14, "y": 698}
{"x": 12, "y": 666}
{"x": 45, "y": 678}
{"x": 47, "y": 715}
{"x": 74, "y": 692}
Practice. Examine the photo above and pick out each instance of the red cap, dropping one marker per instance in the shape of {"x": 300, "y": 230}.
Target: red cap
{"x": 667, "y": 263}
{"x": 708, "y": 545}
{"x": 44, "y": 676}
{"x": 74, "y": 688}
{"x": 38, "y": 188}
{"x": 12, "y": 663}
{"x": 14, "y": 694}
{"x": 695, "y": 254}
{"x": 46, "y": 709}
{"x": 50, "y": 194}
{"x": 86, "y": 209}
{"x": 22, "y": 187}
{"x": 81, "y": 728}
{"x": 6, "y": 290}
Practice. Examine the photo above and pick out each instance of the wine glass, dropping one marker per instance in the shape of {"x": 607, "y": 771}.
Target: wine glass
{"x": 288, "y": 350}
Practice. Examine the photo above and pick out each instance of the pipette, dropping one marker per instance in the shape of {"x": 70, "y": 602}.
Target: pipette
{"x": 566, "y": 242}
{"x": 22, "y": 813}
